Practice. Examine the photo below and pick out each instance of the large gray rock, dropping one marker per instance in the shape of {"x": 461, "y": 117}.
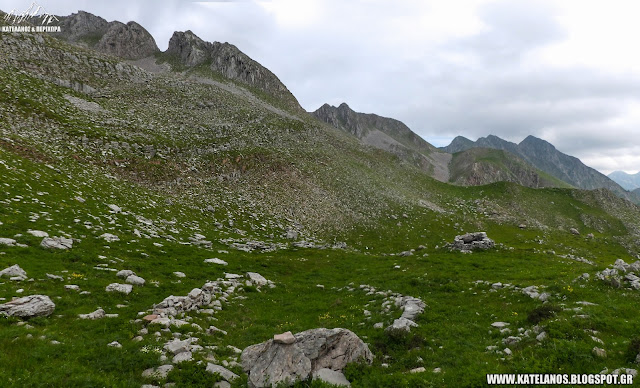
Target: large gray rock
{"x": 57, "y": 243}
{"x": 271, "y": 363}
{"x": 29, "y": 307}
{"x": 117, "y": 287}
{"x": 14, "y": 272}
{"x": 135, "y": 280}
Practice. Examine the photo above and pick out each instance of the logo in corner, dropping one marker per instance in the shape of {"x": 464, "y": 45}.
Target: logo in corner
{"x": 41, "y": 20}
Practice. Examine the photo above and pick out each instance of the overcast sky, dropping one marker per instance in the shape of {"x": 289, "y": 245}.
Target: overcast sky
{"x": 565, "y": 71}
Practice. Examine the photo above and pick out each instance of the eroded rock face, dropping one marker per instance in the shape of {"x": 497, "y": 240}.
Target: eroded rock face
{"x": 472, "y": 241}
{"x": 271, "y": 362}
{"x": 29, "y": 307}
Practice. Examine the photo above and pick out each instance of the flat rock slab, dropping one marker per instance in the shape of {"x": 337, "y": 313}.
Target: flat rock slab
{"x": 29, "y": 307}
{"x": 215, "y": 261}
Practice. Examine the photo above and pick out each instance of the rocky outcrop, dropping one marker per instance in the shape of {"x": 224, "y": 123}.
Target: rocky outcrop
{"x": 274, "y": 362}
{"x": 128, "y": 41}
{"x": 229, "y": 61}
{"x": 621, "y": 274}
{"x": 29, "y": 307}
{"x": 472, "y": 241}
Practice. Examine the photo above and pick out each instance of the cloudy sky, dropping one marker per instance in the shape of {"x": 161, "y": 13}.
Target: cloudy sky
{"x": 566, "y": 71}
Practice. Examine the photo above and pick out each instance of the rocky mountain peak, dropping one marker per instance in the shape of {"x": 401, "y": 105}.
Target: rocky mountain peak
{"x": 532, "y": 141}
{"x": 229, "y": 61}
{"x": 129, "y": 41}
{"x": 187, "y": 46}
{"x": 82, "y": 24}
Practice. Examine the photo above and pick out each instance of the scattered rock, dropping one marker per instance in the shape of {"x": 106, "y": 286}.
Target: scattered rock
{"x": 29, "y": 307}
{"x": 216, "y": 261}
{"x": 599, "y": 352}
{"x": 182, "y": 357}
{"x": 38, "y": 233}
{"x": 135, "y": 280}
{"x": 159, "y": 373}
{"x": 125, "y": 273}
{"x": 179, "y": 274}
{"x": 7, "y": 241}
{"x": 331, "y": 376}
{"x": 114, "y": 344}
{"x": 222, "y": 371}
{"x": 14, "y": 272}
{"x": 257, "y": 279}
{"x": 57, "y": 243}
{"x": 418, "y": 370}
{"x": 574, "y": 231}
{"x": 117, "y": 287}
{"x": 108, "y": 237}
{"x": 98, "y": 314}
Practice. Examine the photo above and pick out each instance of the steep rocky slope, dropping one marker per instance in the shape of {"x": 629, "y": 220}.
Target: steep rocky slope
{"x": 387, "y": 134}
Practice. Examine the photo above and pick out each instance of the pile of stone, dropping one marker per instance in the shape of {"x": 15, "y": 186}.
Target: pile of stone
{"x": 621, "y": 274}
{"x": 471, "y": 241}
{"x": 411, "y": 307}
{"x": 317, "y": 353}
{"x": 211, "y": 294}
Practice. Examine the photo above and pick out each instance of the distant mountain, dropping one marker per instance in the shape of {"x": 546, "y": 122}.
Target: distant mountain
{"x": 629, "y": 181}
{"x": 544, "y": 156}
{"x": 481, "y": 166}
{"x": 387, "y": 134}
